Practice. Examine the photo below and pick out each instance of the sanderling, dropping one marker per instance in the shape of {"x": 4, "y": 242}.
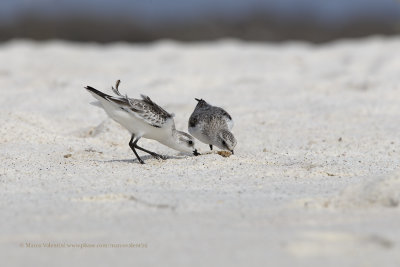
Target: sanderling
{"x": 143, "y": 118}
{"x": 212, "y": 125}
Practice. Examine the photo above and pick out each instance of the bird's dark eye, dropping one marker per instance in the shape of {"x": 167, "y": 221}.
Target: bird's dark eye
{"x": 190, "y": 142}
{"x": 224, "y": 143}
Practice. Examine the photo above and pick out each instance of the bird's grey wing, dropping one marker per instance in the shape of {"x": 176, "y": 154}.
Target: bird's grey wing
{"x": 221, "y": 114}
{"x": 144, "y": 109}
{"x": 149, "y": 111}
{"x": 228, "y": 118}
{"x": 209, "y": 116}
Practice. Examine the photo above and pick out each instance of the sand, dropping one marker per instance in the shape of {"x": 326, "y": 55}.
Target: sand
{"x": 314, "y": 181}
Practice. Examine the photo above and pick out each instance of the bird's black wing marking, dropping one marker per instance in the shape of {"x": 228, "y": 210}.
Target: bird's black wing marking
{"x": 193, "y": 121}
{"x": 156, "y": 108}
{"x": 224, "y": 113}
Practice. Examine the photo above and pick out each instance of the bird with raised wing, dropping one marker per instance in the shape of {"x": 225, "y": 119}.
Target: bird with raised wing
{"x": 143, "y": 118}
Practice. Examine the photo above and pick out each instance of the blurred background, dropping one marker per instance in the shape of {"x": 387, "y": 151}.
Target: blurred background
{"x": 197, "y": 20}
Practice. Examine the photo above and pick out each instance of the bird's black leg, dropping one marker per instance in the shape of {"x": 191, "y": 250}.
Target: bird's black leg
{"x": 157, "y": 156}
{"x": 211, "y": 147}
{"x": 132, "y": 146}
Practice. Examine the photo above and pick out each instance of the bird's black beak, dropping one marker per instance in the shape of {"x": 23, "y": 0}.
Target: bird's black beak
{"x": 232, "y": 152}
{"x": 197, "y": 99}
{"x": 196, "y": 153}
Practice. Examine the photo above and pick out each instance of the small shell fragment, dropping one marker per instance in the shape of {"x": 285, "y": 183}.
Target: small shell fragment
{"x": 225, "y": 154}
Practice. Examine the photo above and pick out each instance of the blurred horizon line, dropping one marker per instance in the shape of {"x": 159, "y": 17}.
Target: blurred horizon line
{"x": 261, "y": 26}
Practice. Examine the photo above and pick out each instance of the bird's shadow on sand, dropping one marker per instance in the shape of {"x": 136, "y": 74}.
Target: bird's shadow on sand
{"x": 145, "y": 158}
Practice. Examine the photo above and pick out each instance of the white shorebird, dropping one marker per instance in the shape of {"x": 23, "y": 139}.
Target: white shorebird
{"x": 143, "y": 118}
{"x": 212, "y": 125}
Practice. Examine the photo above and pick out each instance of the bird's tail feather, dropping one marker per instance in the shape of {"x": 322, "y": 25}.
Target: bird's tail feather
{"x": 96, "y": 92}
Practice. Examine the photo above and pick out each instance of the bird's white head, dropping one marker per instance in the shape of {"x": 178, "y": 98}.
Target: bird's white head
{"x": 184, "y": 142}
{"x": 226, "y": 140}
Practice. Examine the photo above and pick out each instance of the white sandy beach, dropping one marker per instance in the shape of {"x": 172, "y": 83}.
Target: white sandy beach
{"x": 315, "y": 179}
